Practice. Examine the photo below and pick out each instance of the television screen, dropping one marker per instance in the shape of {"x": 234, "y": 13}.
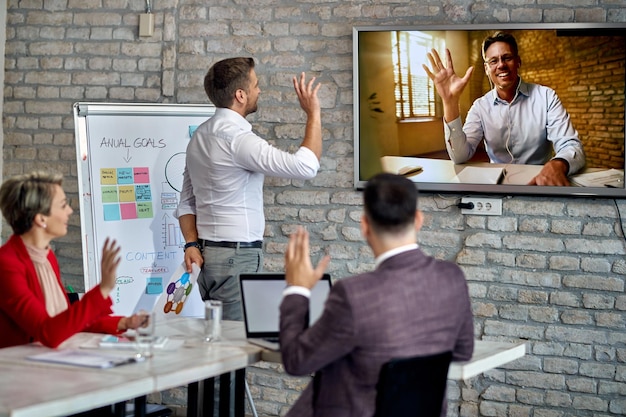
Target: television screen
{"x": 399, "y": 120}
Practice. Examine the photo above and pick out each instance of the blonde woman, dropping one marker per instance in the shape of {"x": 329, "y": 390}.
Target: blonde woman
{"x": 35, "y": 307}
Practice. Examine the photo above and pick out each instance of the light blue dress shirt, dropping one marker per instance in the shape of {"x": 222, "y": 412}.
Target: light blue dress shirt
{"x": 532, "y": 129}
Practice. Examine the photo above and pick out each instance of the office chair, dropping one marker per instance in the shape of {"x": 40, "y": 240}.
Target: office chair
{"x": 412, "y": 387}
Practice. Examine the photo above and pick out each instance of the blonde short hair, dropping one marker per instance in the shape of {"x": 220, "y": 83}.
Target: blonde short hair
{"x": 24, "y": 196}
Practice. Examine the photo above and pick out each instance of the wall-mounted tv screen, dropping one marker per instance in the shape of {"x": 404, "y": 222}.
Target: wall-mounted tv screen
{"x": 496, "y": 145}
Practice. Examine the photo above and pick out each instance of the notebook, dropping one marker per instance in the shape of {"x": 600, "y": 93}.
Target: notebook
{"x": 261, "y": 295}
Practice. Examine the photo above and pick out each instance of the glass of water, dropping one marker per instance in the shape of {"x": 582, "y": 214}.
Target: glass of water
{"x": 146, "y": 335}
{"x": 212, "y": 320}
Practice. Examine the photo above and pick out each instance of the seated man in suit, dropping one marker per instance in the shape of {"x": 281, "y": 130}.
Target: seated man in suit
{"x": 411, "y": 304}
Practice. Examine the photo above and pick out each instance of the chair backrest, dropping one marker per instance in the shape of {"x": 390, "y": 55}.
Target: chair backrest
{"x": 412, "y": 387}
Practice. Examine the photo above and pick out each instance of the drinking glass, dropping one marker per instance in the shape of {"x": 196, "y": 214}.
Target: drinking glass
{"x": 145, "y": 335}
{"x": 212, "y": 320}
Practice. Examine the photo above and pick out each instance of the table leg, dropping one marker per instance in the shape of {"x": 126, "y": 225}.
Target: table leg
{"x": 140, "y": 406}
{"x": 208, "y": 397}
{"x": 224, "y": 395}
{"x": 119, "y": 409}
{"x": 240, "y": 392}
{"x": 192, "y": 399}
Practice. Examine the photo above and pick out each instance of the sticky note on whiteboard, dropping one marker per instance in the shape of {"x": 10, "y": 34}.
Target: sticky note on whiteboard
{"x": 154, "y": 285}
{"x": 192, "y": 129}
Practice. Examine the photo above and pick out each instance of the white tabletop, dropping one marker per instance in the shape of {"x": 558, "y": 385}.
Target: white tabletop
{"x": 28, "y": 387}
{"x": 48, "y": 390}
{"x": 487, "y": 355}
{"x": 33, "y": 389}
{"x": 446, "y": 171}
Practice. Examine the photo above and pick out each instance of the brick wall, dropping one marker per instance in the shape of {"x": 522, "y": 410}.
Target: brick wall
{"x": 593, "y": 97}
{"x": 549, "y": 270}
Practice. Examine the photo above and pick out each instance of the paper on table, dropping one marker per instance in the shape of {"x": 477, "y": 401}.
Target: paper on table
{"x": 123, "y": 342}
{"x": 127, "y": 342}
{"x": 89, "y": 359}
{"x": 613, "y": 178}
{"x": 479, "y": 175}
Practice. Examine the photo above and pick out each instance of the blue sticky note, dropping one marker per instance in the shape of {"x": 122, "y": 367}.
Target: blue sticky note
{"x": 124, "y": 175}
{"x": 111, "y": 212}
{"x": 154, "y": 285}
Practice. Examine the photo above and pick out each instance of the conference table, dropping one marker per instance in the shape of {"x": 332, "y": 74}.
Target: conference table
{"x": 487, "y": 355}
{"x": 33, "y": 389}
{"x": 447, "y": 172}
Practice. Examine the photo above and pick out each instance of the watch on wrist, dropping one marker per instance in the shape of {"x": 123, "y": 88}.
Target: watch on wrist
{"x": 193, "y": 244}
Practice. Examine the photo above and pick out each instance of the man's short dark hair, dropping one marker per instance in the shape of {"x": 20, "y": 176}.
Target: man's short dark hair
{"x": 390, "y": 202}
{"x": 499, "y": 37}
{"x": 225, "y": 77}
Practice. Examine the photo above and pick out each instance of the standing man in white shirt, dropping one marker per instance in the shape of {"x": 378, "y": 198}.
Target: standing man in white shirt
{"x": 221, "y": 208}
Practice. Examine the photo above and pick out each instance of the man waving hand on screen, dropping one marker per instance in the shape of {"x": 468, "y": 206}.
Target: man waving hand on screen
{"x": 521, "y": 123}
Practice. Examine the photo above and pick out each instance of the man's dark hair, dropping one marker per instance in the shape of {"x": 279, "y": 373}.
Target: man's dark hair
{"x": 390, "y": 203}
{"x": 499, "y": 37}
{"x": 225, "y": 77}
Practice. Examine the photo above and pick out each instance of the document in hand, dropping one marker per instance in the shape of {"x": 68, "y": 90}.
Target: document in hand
{"x": 181, "y": 296}
{"x": 90, "y": 359}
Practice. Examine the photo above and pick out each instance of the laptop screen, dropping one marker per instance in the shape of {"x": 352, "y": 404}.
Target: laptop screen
{"x": 261, "y": 295}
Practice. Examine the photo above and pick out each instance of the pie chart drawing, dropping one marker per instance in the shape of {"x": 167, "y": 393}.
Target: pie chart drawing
{"x": 174, "y": 169}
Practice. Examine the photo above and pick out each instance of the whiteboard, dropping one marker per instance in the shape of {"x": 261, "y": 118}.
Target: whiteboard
{"x": 130, "y": 160}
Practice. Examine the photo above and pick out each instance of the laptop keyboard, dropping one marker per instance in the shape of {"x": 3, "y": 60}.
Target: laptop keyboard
{"x": 271, "y": 339}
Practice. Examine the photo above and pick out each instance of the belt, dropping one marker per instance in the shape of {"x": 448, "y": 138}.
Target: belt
{"x": 257, "y": 244}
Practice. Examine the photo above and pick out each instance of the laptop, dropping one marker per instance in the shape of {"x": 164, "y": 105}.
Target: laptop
{"x": 261, "y": 295}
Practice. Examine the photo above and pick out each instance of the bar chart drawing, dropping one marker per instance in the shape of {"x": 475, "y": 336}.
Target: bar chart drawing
{"x": 172, "y": 236}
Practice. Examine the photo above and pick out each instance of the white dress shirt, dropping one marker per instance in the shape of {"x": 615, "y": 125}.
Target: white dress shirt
{"x": 535, "y": 127}
{"x": 223, "y": 178}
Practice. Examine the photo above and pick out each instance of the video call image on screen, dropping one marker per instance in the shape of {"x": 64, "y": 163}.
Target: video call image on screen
{"x": 399, "y": 115}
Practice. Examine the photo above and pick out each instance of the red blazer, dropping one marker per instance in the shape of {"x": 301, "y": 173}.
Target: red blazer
{"x": 23, "y": 316}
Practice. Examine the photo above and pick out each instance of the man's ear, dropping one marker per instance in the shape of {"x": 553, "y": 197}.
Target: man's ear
{"x": 419, "y": 220}
{"x": 240, "y": 95}
{"x": 365, "y": 227}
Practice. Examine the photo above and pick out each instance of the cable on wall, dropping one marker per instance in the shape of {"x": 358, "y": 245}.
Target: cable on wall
{"x": 146, "y": 21}
{"x": 619, "y": 219}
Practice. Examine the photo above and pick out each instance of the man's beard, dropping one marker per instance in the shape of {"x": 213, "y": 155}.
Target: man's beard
{"x": 251, "y": 109}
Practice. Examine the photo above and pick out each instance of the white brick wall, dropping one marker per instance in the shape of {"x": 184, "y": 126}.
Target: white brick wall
{"x": 549, "y": 270}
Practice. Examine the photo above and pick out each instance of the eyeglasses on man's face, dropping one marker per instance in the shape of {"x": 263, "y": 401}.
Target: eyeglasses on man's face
{"x": 506, "y": 59}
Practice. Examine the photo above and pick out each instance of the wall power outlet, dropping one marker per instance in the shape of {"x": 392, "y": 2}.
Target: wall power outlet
{"x": 483, "y": 206}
